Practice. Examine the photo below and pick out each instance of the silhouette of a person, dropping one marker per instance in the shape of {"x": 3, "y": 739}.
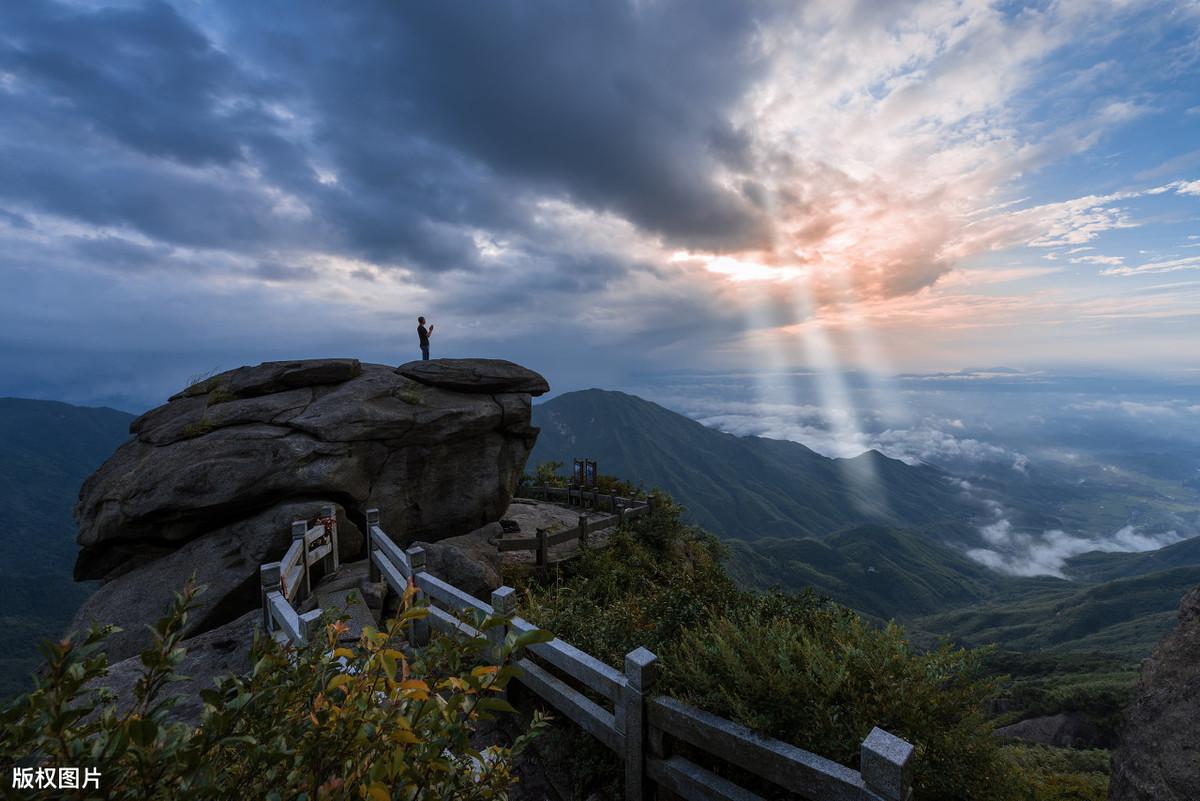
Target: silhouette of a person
{"x": 423, "y": 334}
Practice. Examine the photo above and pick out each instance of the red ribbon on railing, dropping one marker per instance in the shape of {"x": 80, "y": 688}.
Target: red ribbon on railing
{"x": 327, "y": 537}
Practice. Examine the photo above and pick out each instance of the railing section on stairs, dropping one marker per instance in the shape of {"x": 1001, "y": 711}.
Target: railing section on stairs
{"x": 288, "y": 582}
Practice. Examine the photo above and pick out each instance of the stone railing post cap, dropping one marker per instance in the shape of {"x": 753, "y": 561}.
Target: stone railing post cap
{"x": 640, "y": 658}
{"x": 892, "y": 748}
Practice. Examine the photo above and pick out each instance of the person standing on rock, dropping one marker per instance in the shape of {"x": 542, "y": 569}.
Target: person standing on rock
{"x": 423, "y": 334}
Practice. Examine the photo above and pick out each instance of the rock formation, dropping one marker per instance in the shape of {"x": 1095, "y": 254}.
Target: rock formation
{"x": 1158, "y": 758}
{"x": 1066, "y": 730}
{"x": 212, "y": 479}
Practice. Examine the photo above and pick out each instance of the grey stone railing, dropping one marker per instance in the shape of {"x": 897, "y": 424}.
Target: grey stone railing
{"x": 289, "y": 581}
{"x": 620, "y": 510}
{"x": 654, "y": 735}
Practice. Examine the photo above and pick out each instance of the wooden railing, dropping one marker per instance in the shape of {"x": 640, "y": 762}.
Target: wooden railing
{"x": 653, "y": 735}
{"x": 620, "y": 510}
{"x": 288, "y": 582}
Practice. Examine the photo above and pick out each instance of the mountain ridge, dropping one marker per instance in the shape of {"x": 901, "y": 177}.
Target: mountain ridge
{"x": 746, "y": 487}
{"x": 912, "y": 570}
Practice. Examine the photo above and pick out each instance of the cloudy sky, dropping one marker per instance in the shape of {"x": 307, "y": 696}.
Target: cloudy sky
{"x": 595, "y": 189}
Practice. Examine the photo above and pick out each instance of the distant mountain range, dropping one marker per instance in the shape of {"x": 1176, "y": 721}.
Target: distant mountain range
{"x": 873, "y": 533}
{"x": 47, "y": 449}
{"x": 744, "y": 487}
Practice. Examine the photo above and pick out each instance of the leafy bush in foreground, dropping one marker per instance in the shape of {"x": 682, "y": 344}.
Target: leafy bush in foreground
{"x": 321, "y": 722}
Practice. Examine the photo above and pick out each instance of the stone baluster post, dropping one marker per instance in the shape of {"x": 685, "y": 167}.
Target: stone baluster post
{"x": 308, "y": 625}
{"x": 886, "y": 765}
{"x": 641, "y": 672}
{"x": 583, "y": 532}
{"x": 268, "y": 576}
{"x": 333, "y": 561}
{"x": 504, "y": 604}
{"x": 299, "y": 531}
{"x": 542, "y": 548}
{"x": 373, "y": 573}
{"x": 419, "y": 632}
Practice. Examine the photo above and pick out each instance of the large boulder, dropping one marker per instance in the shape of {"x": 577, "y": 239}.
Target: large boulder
{"x": 223, "y": 651}
{"x": 1066, "y": 730}
{"x": 211, "y": 479}
{"x": 475, "y": 375}
{"x": 1158, "y": 756}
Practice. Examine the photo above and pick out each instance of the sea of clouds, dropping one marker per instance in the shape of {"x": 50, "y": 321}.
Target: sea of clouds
{"x": 966, "y": 434}
{"x": 1045, "y": 554}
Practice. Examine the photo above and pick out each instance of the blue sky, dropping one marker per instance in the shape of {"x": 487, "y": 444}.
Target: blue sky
{"x": 597, "y": 190}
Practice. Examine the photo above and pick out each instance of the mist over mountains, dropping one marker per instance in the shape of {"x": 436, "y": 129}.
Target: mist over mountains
{"x": 1054, "y": 465}
{"x": 1037, "y": 552}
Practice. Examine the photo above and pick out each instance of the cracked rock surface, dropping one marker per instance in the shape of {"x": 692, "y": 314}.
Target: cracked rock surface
{"x": 1158, "y": 756}
{"x": 209, "y": 477}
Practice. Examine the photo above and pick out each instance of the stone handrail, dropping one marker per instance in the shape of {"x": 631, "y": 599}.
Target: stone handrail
{"x": 288, "y": 582}
{"x": 643, "y": 729}
{"x": 620, "y": 510}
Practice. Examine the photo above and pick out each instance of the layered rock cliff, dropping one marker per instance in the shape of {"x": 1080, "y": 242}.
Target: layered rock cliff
{"x": 211, "y": 480}
{"x": 1158, "y": 758}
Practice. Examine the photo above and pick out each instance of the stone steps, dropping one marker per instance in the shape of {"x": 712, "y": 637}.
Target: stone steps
{"x": 349, "y": 601}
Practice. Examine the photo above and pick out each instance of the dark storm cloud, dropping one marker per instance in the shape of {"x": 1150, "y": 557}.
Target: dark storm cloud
{"x": 144, "y": 76}
{"x": 619, "y": 107}
{"x": 196, "y": 170}
{"x": 435, "y": 121}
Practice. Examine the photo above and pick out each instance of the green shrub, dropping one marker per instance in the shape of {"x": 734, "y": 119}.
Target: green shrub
{"x": 547, "y": 474}
{"x": 823, "y": 678}
{"x": 791, "y": 666}
{"x": 1060, "y": 774}
{"x": 321, "y": 722}
{"x": 655, "y": 577}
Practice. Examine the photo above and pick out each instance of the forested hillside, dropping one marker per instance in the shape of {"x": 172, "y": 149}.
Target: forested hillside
{"x": 46, "y": 451}
{"x": 745, "y": 487}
